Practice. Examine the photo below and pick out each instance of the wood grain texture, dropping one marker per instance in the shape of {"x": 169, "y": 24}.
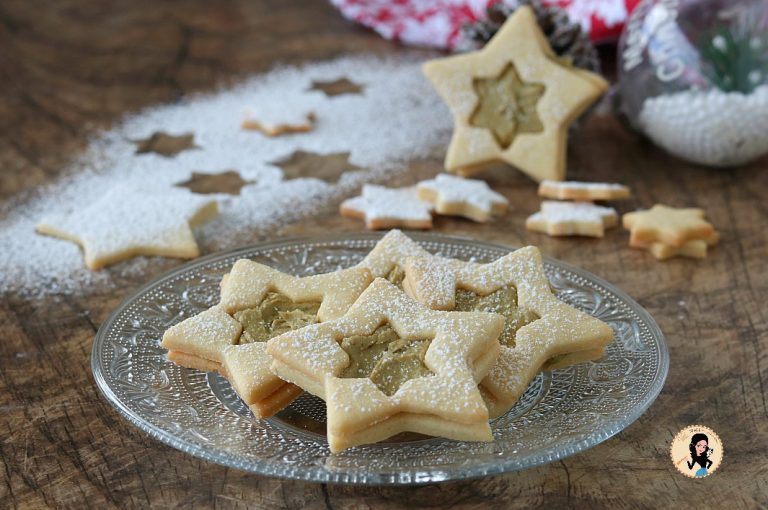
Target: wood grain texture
{"x": 71, "y": 66}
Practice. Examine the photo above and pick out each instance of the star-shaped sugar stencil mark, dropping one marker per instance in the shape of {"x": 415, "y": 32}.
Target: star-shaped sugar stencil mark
{"x": 337, "y": 87}
{"x": 210, "y": 339}
{"x": 165, "y": 144}
{"x": 123, "y": 223}
{"x": 228, "y": 182}
{"x": 326, "y": 167}
{"x": 560, "y": 329}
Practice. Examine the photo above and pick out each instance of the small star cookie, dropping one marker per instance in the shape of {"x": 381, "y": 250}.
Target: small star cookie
{"x": 541, "y": 331}
{"x": 124, "y": 223}
{"x": 383, "y": 207}
{"x": 572, "y": 218}
{"x": 512, "y": 101}
{"x": 456, "y": 196}
{"x": 273, "y": 127}
{"x": 667, "y": 225}
{"x": 583, "y": 191}
{"x": 391, "y": 365}
{"x": 258, "y": 303}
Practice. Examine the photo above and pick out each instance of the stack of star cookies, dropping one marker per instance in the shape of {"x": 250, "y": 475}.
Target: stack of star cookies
{"x": 571, "y": 210}
{"x": 669, "y": 232}
{"x": 404, "y": 341}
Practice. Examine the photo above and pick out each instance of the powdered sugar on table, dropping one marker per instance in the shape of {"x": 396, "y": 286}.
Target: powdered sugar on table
{"x": 395, "y": 119}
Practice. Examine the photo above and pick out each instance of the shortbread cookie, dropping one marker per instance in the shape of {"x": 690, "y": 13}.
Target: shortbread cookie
{"x": 583, "y": 191}
{"x": 124, "y": 223}
{"x": 300, "y": 124}
{"x": 456, "y": 196}
{"x": 383, "y": 207}
{"x": 389, "y": 257}
{"x": 696, "y": 249}
{"x": 512, "y": 101}
{"x": 391, "y": 365}
{"x": 259, "y": 303}
{"x": 538, "y": 328}
{"x": 668, "y": 225}
{"x": 572, "y": 218}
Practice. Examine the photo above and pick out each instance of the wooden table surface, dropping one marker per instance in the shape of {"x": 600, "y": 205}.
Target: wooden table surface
{"x": 71, "y": 66}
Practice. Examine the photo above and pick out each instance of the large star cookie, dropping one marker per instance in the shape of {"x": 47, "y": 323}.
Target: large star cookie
{"x": 540, "y": 332}
{"x": 396, "y": 252}
{"x": 259, "y": 303}
{"x": 383, "y": 207}
{"x": 512, "y": 101}
{"x": 391, "y": 365}
{"x": 470, "y": 198}
{"x": 124, "y": 223}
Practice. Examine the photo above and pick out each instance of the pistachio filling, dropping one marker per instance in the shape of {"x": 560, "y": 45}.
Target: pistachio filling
{"x": 388, "y": 360}
{"x": 502, "y": 301}
{"x": 507, "y": 106}
{"x": 275, "y": 315}
{"x": 396, "y": 276}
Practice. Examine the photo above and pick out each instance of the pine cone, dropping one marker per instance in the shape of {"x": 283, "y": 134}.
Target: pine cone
{"x": 566, "y": 38}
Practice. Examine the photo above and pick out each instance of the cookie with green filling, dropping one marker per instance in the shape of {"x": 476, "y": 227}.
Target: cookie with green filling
{"x": 541, "y": 332}
{"x": 391, "y": 365}
{"x": 259, "y": 303}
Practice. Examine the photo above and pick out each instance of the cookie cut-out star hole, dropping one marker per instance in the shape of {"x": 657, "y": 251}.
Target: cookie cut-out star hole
{"x": 507, "y": 106}
{"x": 164, "y": 144}
{"x": 326, "y": 167}
{"x": 337, "y": 87}
{"x": 228, "y": 182}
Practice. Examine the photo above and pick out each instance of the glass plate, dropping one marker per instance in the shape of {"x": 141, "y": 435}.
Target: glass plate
{"x": 561, "y": 413}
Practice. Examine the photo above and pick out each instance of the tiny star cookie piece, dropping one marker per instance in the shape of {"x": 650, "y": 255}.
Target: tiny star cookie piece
{"x": 583, "y": 191}
{"x": 572, "y": 218}
{"x": 540, "y": 331}
{"x": 667, "y": 225}
{"x": 276, "y": 127}
{"x": 259, "y": 303}
{"x": 383, "y": 207}
{"x": 456, "y": 196}
{"x": 391, "y": 365}
{"x": 512, "y": 101}
{"x": 124, "y": 223}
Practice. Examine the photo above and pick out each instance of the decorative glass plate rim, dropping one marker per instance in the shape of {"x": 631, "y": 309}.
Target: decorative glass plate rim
{"x": 428, "y": 477}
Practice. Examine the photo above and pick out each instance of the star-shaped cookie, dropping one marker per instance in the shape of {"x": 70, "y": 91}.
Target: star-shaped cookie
{"x": 124, "y": 223}
{"x": 572, "y": 218}
{"x": 383, "y": 207}
{"x": 470, "y": 198}
{"x": 257, "y": 303}
{"x": 391, "y": 365}
{"x": 540, "y": 331}
{"x": 228, "y": 181}
{"x": 662, "y": 224}
{"x": 512, "y": 101}
{"x": 326, "y": 167}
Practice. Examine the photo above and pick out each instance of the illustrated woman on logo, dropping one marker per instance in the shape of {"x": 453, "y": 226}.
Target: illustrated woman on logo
{"x": 700, "y": 452}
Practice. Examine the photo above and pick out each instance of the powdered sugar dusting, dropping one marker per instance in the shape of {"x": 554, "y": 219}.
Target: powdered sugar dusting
{"x": 397, "y": 118}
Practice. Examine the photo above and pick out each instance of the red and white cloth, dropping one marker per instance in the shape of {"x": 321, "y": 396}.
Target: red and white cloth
{"x": 437, "y": 23}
